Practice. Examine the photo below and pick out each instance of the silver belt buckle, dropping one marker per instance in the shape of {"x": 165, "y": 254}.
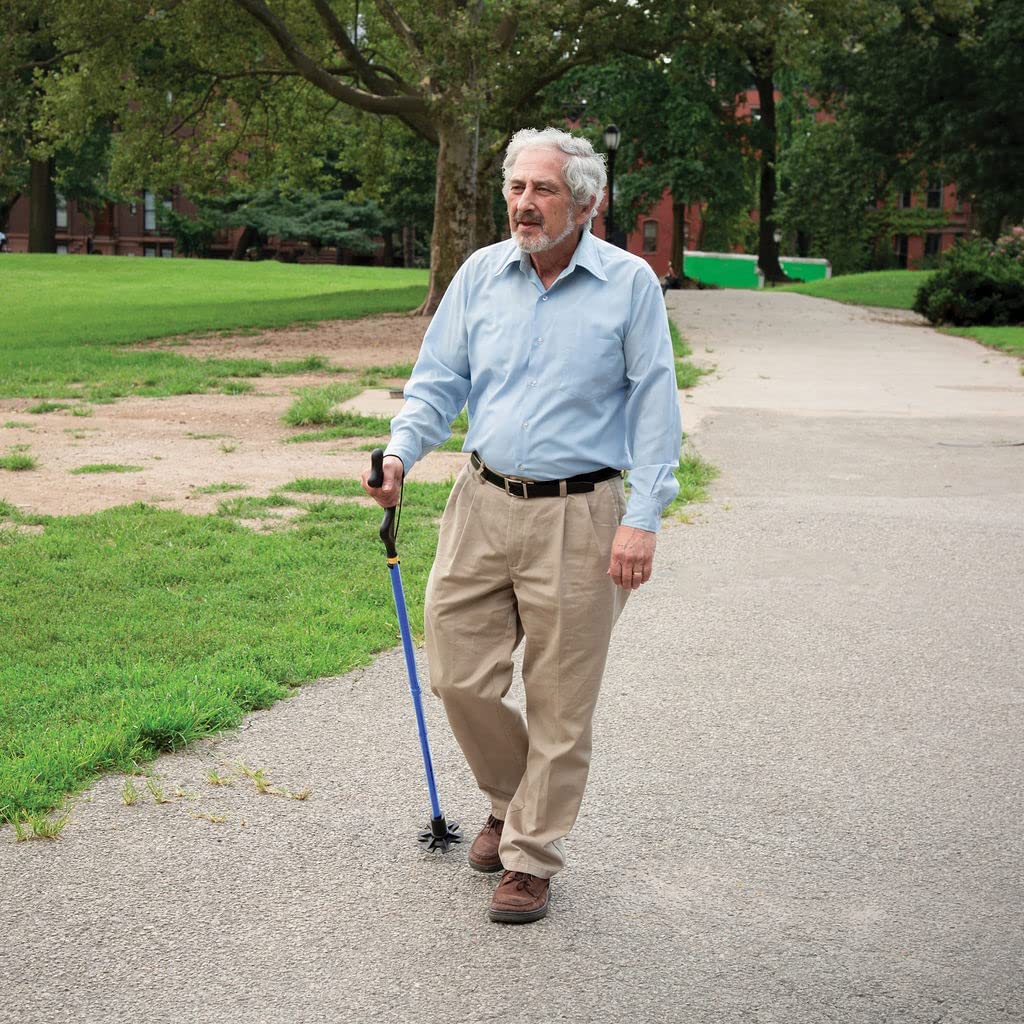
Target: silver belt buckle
{"x": 518, "y": 480}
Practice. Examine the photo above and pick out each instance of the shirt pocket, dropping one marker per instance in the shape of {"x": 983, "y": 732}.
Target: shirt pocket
{"x": 594, "y": 366}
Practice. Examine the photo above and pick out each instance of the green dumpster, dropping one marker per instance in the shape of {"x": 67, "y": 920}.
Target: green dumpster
{"x": 739, "y": 270}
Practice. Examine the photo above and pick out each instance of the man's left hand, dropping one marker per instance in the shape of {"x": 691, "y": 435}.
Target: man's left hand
{"x": 632, "y": 557}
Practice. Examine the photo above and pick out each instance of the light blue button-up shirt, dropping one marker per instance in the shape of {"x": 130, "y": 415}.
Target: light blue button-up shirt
{"x": 558, "y": 381}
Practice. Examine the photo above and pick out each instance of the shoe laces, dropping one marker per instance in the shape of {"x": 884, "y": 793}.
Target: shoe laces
{"x": 493, "y": 824}
{"x": 521, "y": 880}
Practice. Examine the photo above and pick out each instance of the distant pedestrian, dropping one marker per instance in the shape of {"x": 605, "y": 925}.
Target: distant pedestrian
{"x": 3, "y": 242}
{"x": 670, "y": 280}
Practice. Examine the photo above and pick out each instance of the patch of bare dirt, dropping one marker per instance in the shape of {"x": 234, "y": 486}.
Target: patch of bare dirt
{"x": 190, "y": 442}
{"x": 357, "y": 344}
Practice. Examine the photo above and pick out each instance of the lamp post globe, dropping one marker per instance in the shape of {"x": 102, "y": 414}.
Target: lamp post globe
{"x": 611, "y": 144}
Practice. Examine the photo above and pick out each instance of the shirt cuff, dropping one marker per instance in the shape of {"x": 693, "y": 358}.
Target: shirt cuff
{"x": 642, "y": 513}
{"x": 404, "y": 453}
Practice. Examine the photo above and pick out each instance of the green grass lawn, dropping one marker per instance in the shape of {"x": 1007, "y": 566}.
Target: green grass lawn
{"x": 67, "y": 320}
{"x": 892, "y": 289}
{"x": 137, "y": 629}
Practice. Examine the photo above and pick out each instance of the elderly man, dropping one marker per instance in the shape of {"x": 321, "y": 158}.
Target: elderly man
{"x": 559, "y": 345}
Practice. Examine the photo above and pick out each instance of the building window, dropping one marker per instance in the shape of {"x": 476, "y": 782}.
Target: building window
{"x": 166, "y": 251}
{"x": 933, "y": 199}
{"x": 650, "y": 236}
{"x": 62, "y": 212}
{"x": 149, "y": 222}
{"x": 932, "y": 245}
{"x": 900, "y": 247}
{"x": 62, "y": 249}
{"x": 905, "y": 200}
{"x": 149, "y": 250}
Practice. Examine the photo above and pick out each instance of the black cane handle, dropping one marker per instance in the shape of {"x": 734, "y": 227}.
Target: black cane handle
{"x": 388, "y": 526}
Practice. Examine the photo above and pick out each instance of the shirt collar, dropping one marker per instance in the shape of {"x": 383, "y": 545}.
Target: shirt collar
{"x": 585, "y": 255}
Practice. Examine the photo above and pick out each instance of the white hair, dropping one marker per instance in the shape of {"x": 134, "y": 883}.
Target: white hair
{"x": 583, "y": 171}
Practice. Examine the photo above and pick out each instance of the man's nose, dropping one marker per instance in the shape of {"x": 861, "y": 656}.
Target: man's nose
{"x": 527, "y": 199}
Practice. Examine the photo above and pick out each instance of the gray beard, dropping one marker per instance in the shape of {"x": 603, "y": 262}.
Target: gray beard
{"x": 543, "y": 241}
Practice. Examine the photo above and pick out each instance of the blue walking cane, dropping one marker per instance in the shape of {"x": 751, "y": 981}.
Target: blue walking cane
{"x": 440, "y": 835}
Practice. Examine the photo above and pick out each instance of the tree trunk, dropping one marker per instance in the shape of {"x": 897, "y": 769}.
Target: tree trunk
{"x": 42, "y": 208}
{"x": 678, "y": 237}
{"x": 767, "y": 247}
{"x": 6, "y": 205}
{"x": 245, "y": 239}
{"x": 488, "y": 184}
{"x": 454, "y": 233}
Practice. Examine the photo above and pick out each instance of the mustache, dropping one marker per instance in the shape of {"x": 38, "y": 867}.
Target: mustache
{"x": 528, "y": 219}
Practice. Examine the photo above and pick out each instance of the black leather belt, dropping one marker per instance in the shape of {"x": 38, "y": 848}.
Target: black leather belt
{"x": 520, "y": 488}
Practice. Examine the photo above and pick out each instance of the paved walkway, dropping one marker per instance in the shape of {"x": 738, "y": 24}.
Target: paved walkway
{"x": 807, "y": 799}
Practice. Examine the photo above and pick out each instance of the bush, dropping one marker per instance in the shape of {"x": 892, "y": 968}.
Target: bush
{"x": 979, "y": 284}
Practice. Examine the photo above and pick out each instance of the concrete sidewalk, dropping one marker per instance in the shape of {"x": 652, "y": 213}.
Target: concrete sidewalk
{"x": 806, "y": 799}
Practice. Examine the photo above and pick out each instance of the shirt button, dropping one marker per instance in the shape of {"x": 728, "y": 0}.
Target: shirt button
{"x": 543, "y": 298}
{"x": 533, "y": 383}
{"x": 520, "y": 466}
{"x": 526, "y": 423}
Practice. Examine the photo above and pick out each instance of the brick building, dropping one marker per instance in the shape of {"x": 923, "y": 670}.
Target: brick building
{"x": 114, "y": 229}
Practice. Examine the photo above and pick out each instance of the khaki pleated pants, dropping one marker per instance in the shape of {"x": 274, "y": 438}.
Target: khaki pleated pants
{"x": 509, "y": 569}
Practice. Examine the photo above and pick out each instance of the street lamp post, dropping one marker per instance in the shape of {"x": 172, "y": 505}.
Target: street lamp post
{"x": 611, "y": 144}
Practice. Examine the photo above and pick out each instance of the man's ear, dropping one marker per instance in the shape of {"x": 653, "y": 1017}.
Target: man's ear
{"x": 583, "y": 213}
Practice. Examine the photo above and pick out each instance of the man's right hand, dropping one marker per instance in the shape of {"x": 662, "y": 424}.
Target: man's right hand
{"x": 387, "y": 494}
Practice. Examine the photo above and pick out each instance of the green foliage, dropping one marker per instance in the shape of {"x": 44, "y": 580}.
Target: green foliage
{"x": 936, "y": 86}
{"x": 978, "y": 285}
{"x": 679, "y": 130}
{"x": 829, "y": 198}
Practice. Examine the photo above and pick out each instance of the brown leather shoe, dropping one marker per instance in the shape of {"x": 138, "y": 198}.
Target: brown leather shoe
{"x": 483, "y": 854}
{"x": 519, "y": 898}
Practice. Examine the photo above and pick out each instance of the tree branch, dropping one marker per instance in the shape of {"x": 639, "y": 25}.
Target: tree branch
{"x": 398, "y": 24}
{"x": 412, "y": 107}
{"x": 44, "y": 62}
{"x": 364, "y": 70}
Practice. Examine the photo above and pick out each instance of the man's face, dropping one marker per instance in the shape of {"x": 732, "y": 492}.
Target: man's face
{"x": 541, "y": 213}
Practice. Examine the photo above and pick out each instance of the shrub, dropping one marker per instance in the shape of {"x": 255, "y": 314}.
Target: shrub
{"x": 979, "y": 284}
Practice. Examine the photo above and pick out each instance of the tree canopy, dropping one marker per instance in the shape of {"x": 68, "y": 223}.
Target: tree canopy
{"x": 206, "y": 89}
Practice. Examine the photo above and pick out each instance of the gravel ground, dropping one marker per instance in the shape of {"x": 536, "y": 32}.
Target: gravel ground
{"x": 806, "y": 798}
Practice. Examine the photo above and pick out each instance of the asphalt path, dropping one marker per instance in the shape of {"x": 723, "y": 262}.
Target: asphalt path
{"x": 806, "y": 799}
